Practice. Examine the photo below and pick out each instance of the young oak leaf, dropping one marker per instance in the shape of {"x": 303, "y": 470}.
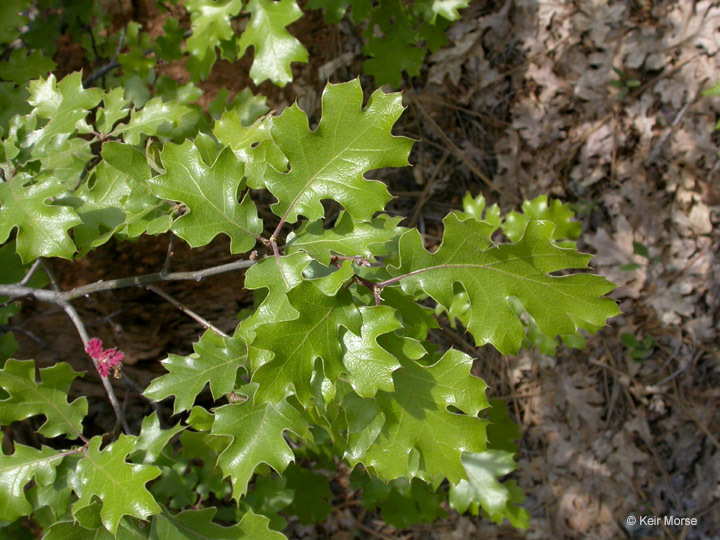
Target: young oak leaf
{"x": 482, "y": 488}
{"x": 275, "y": 47}
{"x": 329, "y": 163}
{"x": 215, "y": 361}
{"x": 66, "y": 104}
{"x": 492, "y": 274}
{"x": 119, "y": 485}
{"x": 419, "y": 436}
{"x": 49, "y": 398}
{"x": 257, "y": 437}
{"x": 42, "y": 227}
{"x": 210, "y": 194}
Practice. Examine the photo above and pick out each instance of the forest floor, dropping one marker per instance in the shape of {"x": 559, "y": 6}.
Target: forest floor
{"x": 521, "y": 103}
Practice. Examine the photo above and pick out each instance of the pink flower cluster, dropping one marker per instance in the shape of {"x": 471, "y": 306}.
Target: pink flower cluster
{"x": 106, "y": 359}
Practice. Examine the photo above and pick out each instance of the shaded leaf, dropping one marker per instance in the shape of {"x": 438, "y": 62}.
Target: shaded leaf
{"x": 420, "y": 436}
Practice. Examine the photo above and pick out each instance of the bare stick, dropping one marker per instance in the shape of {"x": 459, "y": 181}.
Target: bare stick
{"x": 56, "y": 297}
{"x": 31, "y": 272}
{"x": 207, "y": 324}
{"x": 80, "y": 327}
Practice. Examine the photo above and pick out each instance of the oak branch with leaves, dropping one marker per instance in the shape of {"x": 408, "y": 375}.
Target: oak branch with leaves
{"x": 333, "y": 364}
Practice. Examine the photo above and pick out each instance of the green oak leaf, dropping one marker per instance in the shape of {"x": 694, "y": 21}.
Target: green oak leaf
{"x": 198, "y": 525}
{"x": 492, "y": 274}
{"x": 275, "y": 48}
{"x": 49, "y": 398}
{"x": 297, "y": 343}
{"x": 42, "y": 228}
{"x": 215, "y": 361}
{"x": 278, "y": 280}
{"x": 119, "y": 485}
{"x": 211, "y": 196}
{"x": 211, "y": 24}
{"x": 65, "y": 104}
{"x": 403, "y": 503}
{"x": 369, "y": 366}
{"x": 150, "y": 120}
{"x": 329, "y": 163}
{"x": 311, "y": 503}
{"x": 65, "y": 161}
{"x": 558, "y": 213}
{"x": 365, "y": 239}
{"x": 420, "y": 437}
{"x": 72, "y": 530}
{"x": 153, "y": 439}
{"x": 482, "y": 488}
{"x": 114, "y": 109}
{"x": 257, "y": 437}
{"x": 20, "y": 67}
{"x": 16, "y": 471}
{"x": 390, "y": 56}
{"x": 269, "y": 495}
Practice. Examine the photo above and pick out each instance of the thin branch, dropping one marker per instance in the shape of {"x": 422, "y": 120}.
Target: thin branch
{"x": 80, "y": 327}
{"x": 56, "y": 297}
{"x": 30, "y": 273}
{"x": 207, "y": 324}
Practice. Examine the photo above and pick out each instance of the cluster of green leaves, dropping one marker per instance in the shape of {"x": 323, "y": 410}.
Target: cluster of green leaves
{"x": 332, "y": 364}
{"x": 398, "y": 34}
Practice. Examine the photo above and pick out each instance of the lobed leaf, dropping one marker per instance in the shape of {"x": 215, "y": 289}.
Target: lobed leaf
{"x": 491, "y": 275}
{"x": 210, "y": 194}
{"x": 347, "y": 237}
{"x": 257, "y": 437}
{"x": 275, "y": 48}
{"x": 297, "y": 343}
{"x": 42, "y": 227}
{"x": 19, "y": 469}
{"x": 329, "y": 163}
{"x": 215, "y": 361}
{"x": 482, "y": 488}
{"x": 198, "y": 525}
{"x": 119, "y": 485}
{"x": 49, "y": 398}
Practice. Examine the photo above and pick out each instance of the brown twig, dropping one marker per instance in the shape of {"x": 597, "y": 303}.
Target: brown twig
{"x": 205, "y": 323}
